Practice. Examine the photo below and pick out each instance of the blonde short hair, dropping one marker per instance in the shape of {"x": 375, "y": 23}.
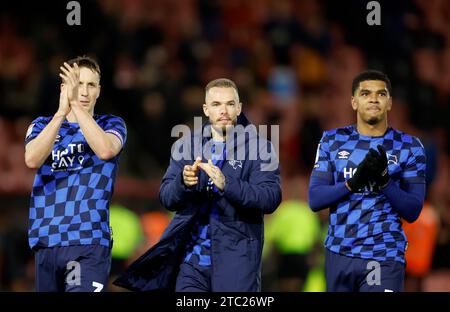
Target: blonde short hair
{"x": 222, "y": 83}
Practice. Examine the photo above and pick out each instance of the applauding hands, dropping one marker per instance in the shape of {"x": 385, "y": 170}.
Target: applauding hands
{"x": 374, "y": 167}
{"x": 190, "y": 173}
{"x": 71, "y": 79}
{"x": 377, "y": 164}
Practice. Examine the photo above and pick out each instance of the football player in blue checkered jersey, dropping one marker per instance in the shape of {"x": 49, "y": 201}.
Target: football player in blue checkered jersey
{"x": 371, "y": 177}
{"x": 76, "y": 153}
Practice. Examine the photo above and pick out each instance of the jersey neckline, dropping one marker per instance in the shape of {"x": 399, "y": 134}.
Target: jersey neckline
{"x": 355, "y": 130}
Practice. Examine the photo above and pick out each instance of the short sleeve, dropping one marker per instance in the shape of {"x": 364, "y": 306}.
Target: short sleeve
{"x": 116, "y": 125}
{"x": 35, "y": 128}
{"x": 414, "y": 171}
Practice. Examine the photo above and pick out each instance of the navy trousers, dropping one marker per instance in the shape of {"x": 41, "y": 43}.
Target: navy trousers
{"x": 83, "y": 268}
{"x": 362, "y": 275}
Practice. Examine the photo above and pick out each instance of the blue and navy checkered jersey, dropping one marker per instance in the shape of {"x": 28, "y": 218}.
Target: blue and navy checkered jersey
{"x": 198, "y": 250}
{"x": 72, "y": 190}
{"x": 363, "y": 224}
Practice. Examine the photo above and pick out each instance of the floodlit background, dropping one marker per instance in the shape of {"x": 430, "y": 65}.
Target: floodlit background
{"x": 293, "y": 62}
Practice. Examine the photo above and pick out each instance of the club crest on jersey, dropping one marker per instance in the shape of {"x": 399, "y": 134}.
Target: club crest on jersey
{"x": 392, "y": 159}
{"x": 343, "y": 154}
{"x": 235, "y": 164}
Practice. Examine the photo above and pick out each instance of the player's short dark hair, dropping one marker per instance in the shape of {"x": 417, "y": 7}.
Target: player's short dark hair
{"x": 371, "y": 75}
{"x": 86, "y": 61}
{"x": 221, "y": 83}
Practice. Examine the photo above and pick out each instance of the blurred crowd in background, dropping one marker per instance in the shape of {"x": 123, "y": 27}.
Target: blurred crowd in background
{"x": 293, "y": 62}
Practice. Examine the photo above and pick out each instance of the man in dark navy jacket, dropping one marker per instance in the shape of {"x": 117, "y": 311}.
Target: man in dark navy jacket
{"x": 215, "y": 240}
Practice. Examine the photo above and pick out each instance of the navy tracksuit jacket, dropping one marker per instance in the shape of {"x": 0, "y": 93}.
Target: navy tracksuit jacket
{"x": 237, "y": 235}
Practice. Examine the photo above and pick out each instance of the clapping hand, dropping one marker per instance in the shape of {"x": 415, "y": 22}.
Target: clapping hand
{"x": 214, "y": 173}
